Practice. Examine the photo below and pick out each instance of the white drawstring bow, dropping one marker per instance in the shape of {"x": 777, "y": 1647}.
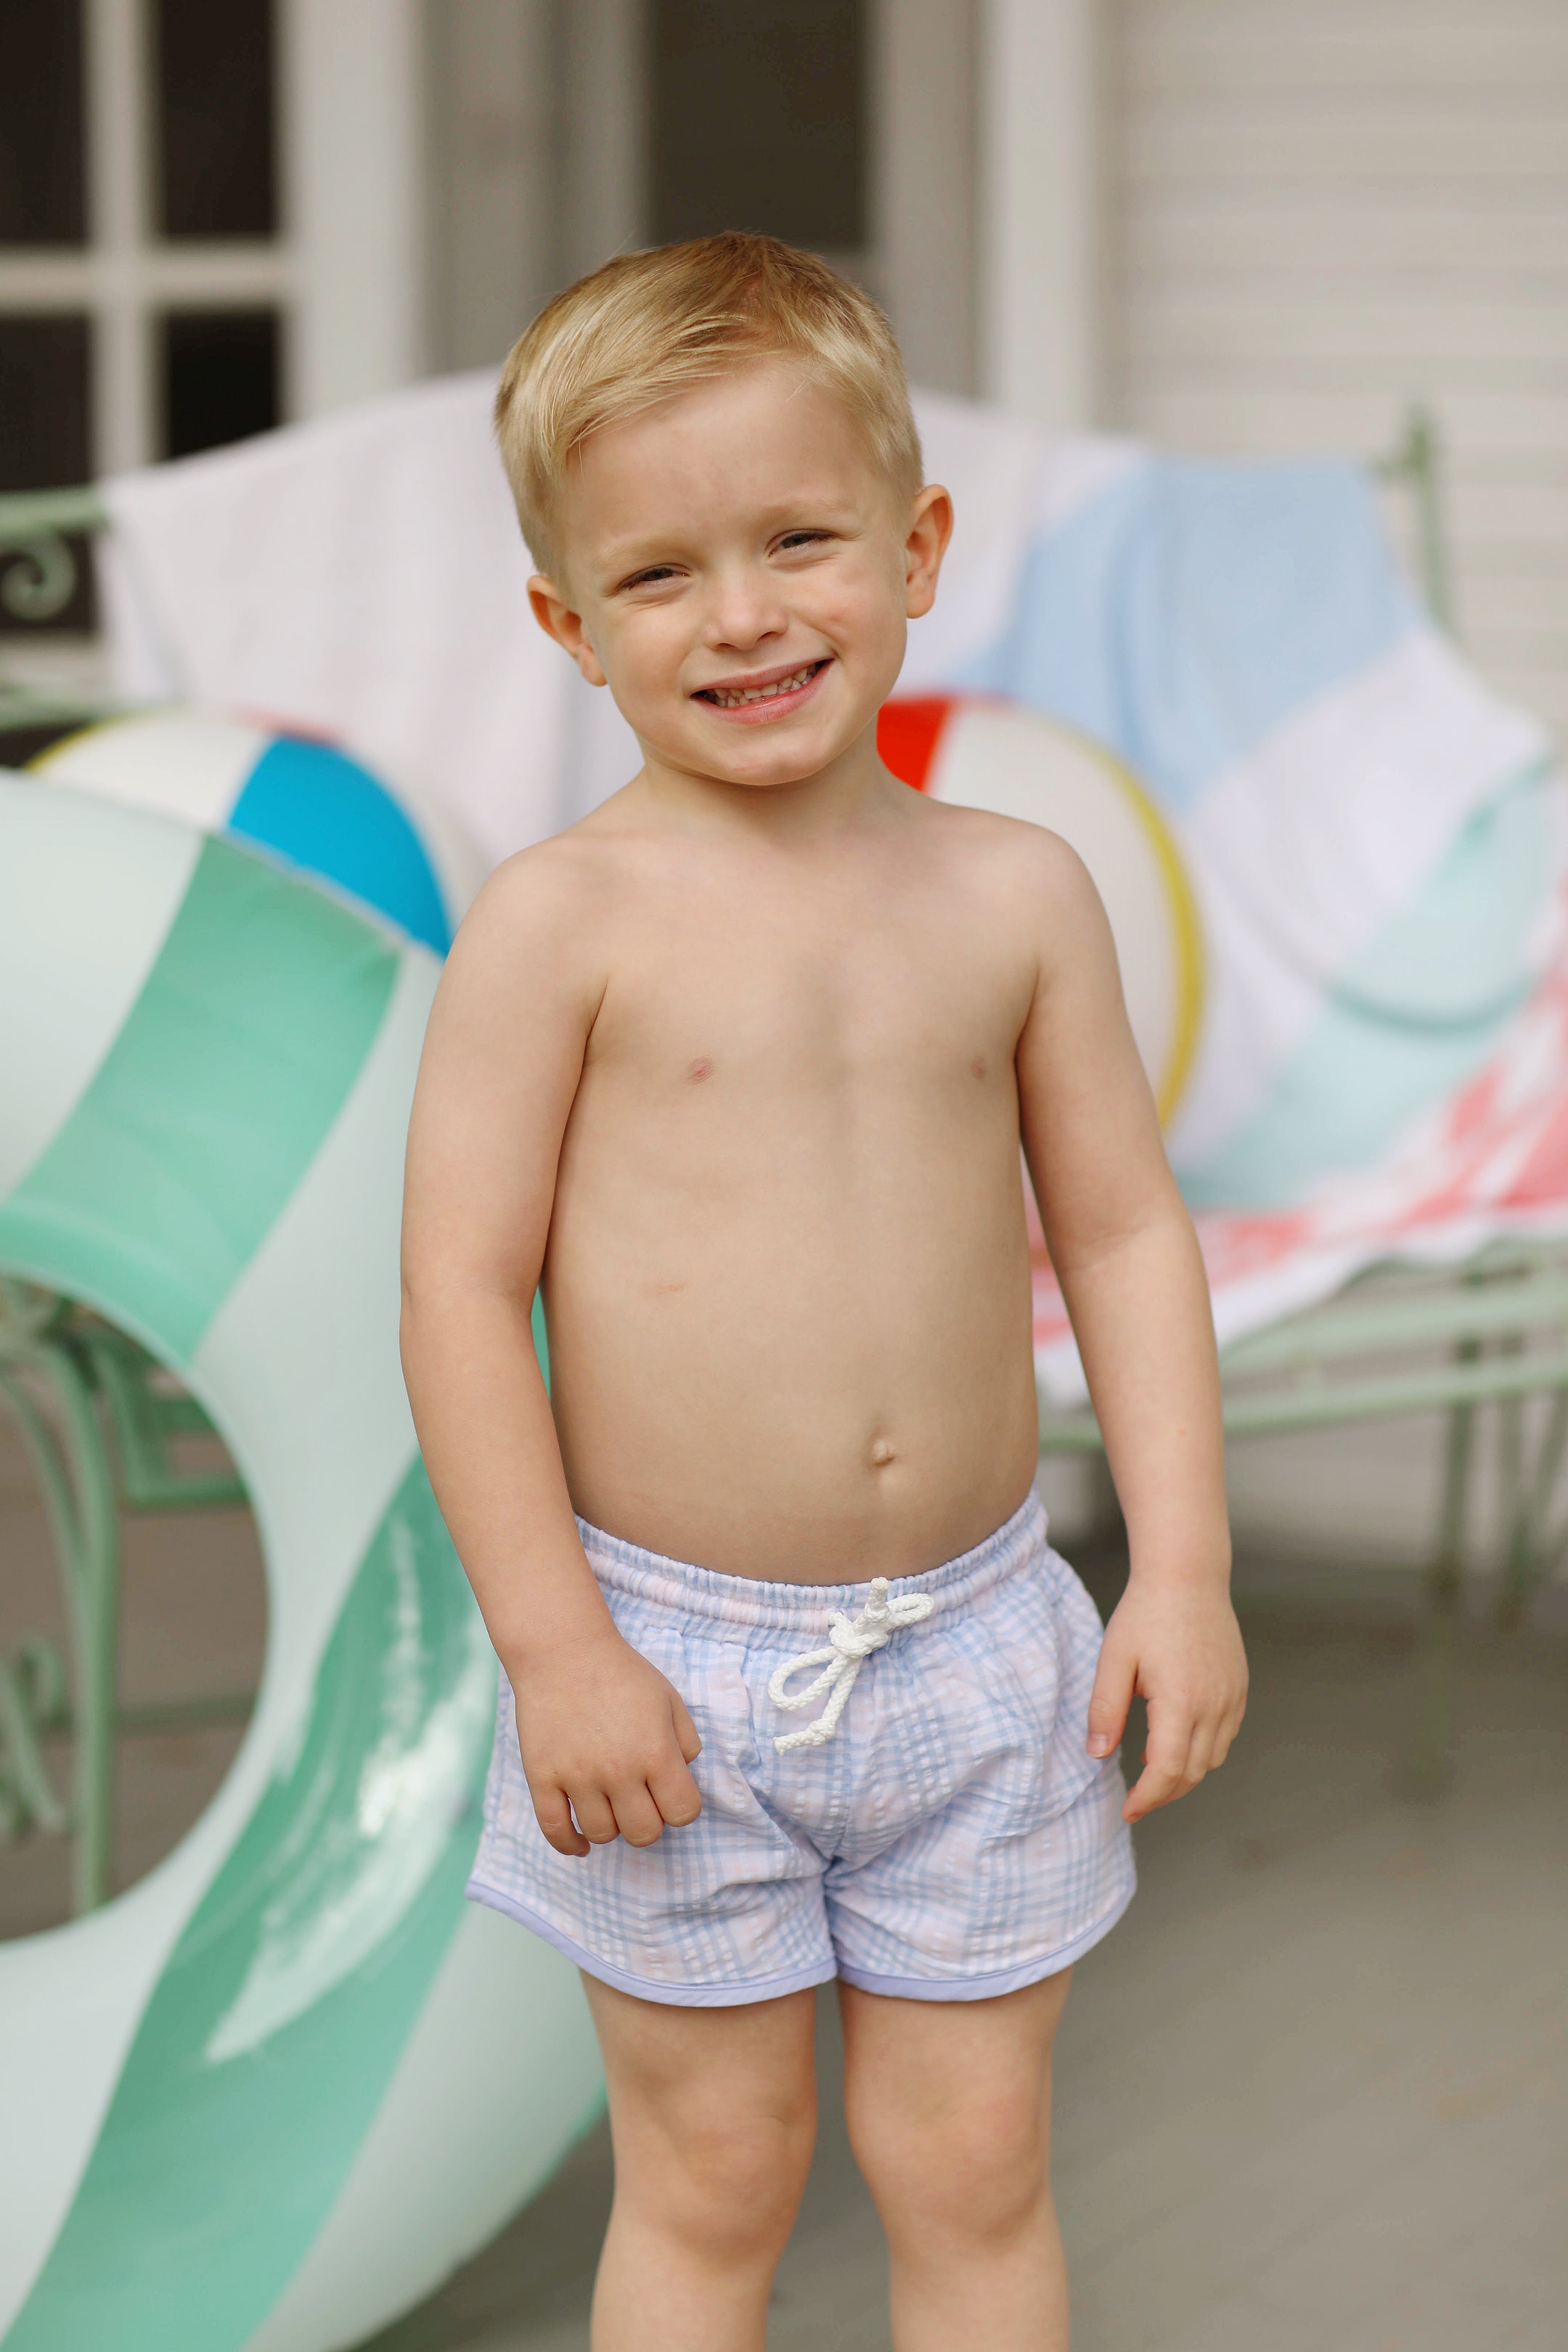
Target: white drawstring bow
{"x": 850, "y": 1642}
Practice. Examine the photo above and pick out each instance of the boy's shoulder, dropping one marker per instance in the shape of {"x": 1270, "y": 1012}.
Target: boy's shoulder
{"x": 1012, "y": 860}
{"x": 554, "y": 884}
{"x": 539, "y": 926}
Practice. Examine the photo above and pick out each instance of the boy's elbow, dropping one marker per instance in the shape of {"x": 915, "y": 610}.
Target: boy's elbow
{"x": 426, "y": 1297}
{"x": 410, "y": 1330}
{"x": 414, "y": 1285}
{"x": 435, "y": 1295}
{"x": 1110, "y": 1226}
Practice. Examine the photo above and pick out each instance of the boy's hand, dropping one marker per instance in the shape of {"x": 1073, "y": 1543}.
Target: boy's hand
{"x": 1179, "y": 1647}
{"x": 606, "y": 1738}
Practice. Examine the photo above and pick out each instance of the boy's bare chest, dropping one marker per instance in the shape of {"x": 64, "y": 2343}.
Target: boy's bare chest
{"x": 873, "y": 1001}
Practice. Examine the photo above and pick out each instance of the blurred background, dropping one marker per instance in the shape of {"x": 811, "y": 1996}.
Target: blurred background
{"x": 1232, "y": 226}
{"x": 1229, "y": 227}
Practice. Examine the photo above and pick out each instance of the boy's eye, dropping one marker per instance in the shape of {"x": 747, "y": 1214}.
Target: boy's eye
{"x": 801, "y": 539}
{"x": 651, "y": 577}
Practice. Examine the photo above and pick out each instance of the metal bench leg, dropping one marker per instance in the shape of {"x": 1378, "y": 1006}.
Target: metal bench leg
{"x": 75, "y": 1485}
{"x": 1437, "y": 1667}
{"x": 1529, "y": 1549}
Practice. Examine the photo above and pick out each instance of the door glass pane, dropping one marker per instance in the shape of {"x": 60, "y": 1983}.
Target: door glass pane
{"x": 46, "y": 440}
{"x": 43, "y": 400}
{"x": 759, "y": 118}
{"x": 41, "y": 191}
{"x": 220, "y": 377}
{"x": 214, "y": 80}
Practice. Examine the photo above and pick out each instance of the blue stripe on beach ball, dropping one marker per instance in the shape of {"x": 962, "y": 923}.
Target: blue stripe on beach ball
{"x": 323, "y": 812}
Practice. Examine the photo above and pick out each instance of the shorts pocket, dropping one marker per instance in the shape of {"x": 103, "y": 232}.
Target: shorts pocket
{"x": 1050, "y": 1651}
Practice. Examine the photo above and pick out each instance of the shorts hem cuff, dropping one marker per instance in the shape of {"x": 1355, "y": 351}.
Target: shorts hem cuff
{"x": 674, "y": 1996}
{"x": 989, "y": 1988}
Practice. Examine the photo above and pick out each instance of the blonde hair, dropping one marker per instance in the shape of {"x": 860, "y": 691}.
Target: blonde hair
{"x": 649, "y": 325}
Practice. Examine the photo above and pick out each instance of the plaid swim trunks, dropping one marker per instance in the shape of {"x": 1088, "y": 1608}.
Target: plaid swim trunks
{"x": 898, "y": 1797}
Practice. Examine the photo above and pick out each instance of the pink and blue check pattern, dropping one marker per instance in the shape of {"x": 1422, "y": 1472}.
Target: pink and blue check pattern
{"x": 951, "y": 1841}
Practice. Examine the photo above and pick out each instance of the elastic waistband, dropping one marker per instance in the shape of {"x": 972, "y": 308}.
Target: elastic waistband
{"x": 748, "y": 1601}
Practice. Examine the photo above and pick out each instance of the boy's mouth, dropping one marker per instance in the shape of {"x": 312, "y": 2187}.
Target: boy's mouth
{"x": 765, "y": 692}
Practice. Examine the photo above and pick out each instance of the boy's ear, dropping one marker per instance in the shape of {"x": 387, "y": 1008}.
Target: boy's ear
{"x": 557, "y": 619}
{"x": 931, "y": 527}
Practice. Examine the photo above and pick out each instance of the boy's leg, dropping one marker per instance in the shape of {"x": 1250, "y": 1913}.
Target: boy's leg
{"x": 949, "y": 2111}
{"x": 713, "y": 2115}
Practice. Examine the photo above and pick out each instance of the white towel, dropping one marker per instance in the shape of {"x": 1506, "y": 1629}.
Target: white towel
{"x": 363, "y": 575}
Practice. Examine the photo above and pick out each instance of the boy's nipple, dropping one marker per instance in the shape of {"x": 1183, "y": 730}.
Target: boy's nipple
{"x": 698, "y": 1070}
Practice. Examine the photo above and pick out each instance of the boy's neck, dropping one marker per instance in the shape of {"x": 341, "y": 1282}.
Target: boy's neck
{"x": 813, "y": 808}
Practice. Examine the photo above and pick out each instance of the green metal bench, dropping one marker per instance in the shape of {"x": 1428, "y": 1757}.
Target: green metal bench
{"x": 1404, "y": 1340}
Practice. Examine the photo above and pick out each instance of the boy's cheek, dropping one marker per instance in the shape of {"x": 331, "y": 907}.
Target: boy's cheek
{"x": 643, "y": 671}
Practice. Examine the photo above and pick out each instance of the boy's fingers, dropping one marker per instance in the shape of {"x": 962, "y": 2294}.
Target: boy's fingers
{"x": 1152, "y": 1789}
{"x": 1201, "y": 1757}
{"x": 554, "y": 1817}
{"x": 638, "y": 1817}
{"x": 685, "y": 1730}
{"x": 596, "y": 1817}
{"x": 1111, "y": 1697}
{"x": 676, "y": 1794}
{"x": 1164, "y": 1770}
{"x": 1223, "y": 1733}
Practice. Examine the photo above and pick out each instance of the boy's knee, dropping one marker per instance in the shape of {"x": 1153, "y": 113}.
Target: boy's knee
{"x": 729, "y": 2185}
{"x": 973, "y": 2174}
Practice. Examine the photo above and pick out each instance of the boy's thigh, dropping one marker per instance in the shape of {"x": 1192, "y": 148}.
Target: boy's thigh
{"x": 669, "y": 2064}
{"x": 909, "y": 2065}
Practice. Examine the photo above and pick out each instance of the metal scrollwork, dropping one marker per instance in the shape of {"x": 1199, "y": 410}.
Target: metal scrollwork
{"x": 33, "y": 1686}
{"x": 37, "y": 564}
{"x": 46, "y": 1389}
{"x": 98, "y": 1419}
{"x": 39, "y": 575}
{"x": 32, "y": 1705}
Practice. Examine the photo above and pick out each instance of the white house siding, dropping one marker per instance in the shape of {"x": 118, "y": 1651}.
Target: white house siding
{"x": 1320, "y": 212}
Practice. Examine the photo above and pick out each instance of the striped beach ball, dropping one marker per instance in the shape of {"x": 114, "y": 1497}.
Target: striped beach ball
{"x": 269, "y": 2096}
{"x": 988, "y": 754}
{"x": 303, "y": 802}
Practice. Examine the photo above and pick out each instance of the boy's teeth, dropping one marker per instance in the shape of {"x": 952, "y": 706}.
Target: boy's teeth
{"x": 728, "y": 696}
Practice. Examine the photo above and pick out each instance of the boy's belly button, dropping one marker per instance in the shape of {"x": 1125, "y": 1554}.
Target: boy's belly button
{"x": 884, "y": 1454}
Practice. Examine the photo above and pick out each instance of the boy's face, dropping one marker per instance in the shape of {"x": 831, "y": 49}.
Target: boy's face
{"x": 740, "y": 572}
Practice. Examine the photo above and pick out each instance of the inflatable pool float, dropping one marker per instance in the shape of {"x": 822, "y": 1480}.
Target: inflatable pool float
{"x": 269, "y": 2096}
{"x": 984, "y": 754}
{"x": 302, "y": 800}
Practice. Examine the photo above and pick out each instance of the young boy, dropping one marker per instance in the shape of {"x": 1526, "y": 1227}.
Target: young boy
{"x": 736, "y": 1070}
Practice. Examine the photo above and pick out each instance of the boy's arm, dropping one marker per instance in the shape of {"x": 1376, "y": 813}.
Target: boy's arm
{"x": 603, "y": 1735}
{"x": 1127, "y": 1259}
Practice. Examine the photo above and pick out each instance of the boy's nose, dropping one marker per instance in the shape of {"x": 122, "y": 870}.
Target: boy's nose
{"x": 744, "y": 613}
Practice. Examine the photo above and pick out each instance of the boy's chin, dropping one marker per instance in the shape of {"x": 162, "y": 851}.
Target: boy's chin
{"x": 778, "y": 773}
{"x": 752, "y": 764}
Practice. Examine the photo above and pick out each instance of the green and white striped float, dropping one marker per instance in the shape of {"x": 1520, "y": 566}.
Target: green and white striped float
{"x": 269, "y": 2097}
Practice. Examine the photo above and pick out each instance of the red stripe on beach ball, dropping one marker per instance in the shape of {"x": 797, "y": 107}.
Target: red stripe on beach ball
{"x": 907, "y": 734}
